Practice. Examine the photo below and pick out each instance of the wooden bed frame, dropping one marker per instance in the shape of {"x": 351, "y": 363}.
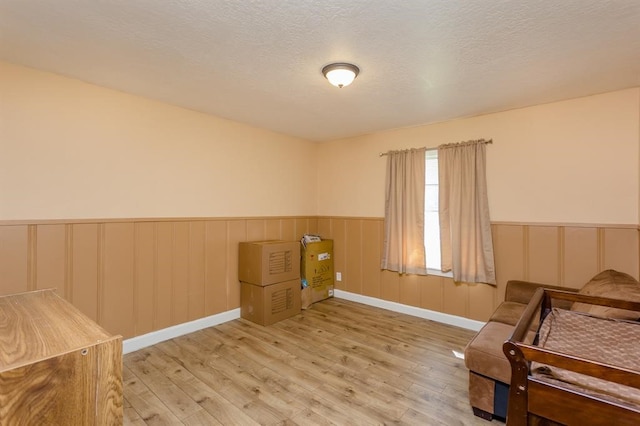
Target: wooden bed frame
{"x": 534, "y": 401}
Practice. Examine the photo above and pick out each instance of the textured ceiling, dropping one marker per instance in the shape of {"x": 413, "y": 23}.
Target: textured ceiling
{"x": 259, "y": 62}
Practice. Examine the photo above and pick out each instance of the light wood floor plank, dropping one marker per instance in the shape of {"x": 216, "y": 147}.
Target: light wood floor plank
{"x": 201, "y": 418}
{"x": 180, "y": 404}
{"x": 212, "y": 402}
{"x": 149, "y": 407}
{"x": 311, "y": 418}
{"x": 220, "y": 382}
{"x": 131, "y": 417}
{"x": 337, "y": 363}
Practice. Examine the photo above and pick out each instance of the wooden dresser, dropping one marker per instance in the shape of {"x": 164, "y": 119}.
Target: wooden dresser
{"x": 57, "y": 367}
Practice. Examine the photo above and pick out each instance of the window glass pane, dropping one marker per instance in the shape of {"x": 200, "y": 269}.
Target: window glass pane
{"x": 431, "y": 171}
{"x": 432, "y": 239}
{"x": 431, "y": 198}
{"x": 431, "y": 219}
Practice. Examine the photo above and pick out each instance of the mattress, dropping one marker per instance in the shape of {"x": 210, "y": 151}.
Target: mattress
{"x": 608, "y": 341}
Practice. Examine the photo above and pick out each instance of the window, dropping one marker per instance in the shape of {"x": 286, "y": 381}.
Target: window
{"x": 431, "y": 218}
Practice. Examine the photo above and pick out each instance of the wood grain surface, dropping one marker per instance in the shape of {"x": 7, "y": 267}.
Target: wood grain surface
{"x": 57, "y": 367}
{"x": 339, "y": 362}
{"x": 37, "y": 325}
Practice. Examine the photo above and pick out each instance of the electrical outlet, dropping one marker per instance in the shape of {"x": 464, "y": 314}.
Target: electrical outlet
{"x": 338, "y": 276}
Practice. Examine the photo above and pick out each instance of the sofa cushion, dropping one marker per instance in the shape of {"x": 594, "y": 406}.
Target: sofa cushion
{"x": 510, "y": 313}
{"x": 483, "y": 354}
{"x": 614, "y": 285}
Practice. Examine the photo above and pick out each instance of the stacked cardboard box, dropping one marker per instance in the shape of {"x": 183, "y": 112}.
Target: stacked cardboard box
{"x": 269, "y": 274}
{"x": 316, "y": 270}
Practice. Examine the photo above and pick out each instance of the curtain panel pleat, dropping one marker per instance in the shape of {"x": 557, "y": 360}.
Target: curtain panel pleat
{"x": 465, "y": 226}
{"x": 404, "y": 213}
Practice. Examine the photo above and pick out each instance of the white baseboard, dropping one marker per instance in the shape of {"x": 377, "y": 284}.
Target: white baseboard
{"x": 139, "y": 342}
{"x": 411, "y": 310}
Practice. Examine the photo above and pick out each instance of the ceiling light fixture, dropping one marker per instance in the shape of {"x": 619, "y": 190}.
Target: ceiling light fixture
{"x": 340, "y": 74}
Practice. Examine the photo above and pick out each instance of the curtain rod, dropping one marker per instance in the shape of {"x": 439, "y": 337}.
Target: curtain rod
{"x": 434, "y": 149}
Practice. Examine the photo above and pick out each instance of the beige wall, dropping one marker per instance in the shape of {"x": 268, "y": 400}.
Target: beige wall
{"x": 75, "y": 150}
{"x": 567, "y": 162}
{"x": 563, "y": 194}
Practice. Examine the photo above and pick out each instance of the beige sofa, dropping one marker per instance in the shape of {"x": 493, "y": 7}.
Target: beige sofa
{"x": 489, "y": 369}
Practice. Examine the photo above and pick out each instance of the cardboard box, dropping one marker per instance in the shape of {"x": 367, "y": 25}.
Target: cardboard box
{"x": 266, "y": 305}
{"x": 316, "y": 267}
{"x": 268, "y": 262}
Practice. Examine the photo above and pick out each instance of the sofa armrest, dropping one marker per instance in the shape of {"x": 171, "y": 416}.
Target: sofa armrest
{"x": 522, "y": 291}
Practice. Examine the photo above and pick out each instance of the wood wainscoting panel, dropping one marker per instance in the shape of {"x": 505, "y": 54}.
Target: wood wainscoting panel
{"x": 481, "y": 302}
{"x": 256, "y": 230}
{"x": 180, "y": 276}
{"x": 305, "y": 226}
{"x": 389, "y": 286}
{"x": 456, "y": 298}
{"x": 324, "y": 227}
{"x": 287, "y": 230}
{"x": 145, "y": 277}
{"x": 340, "y": 252}
{"x": 14, "y": 256}
{"x": 51, "y": 255}
{"x": 216, "y": 263}
{"x": 581, "y": 254}
{"x": 509, "y": 255}
{"x": 237, "y": 232}
{"x": 410, "y": 290}
{"x": 272, "y": 229}
{"x": 134, "y": 276}
{"x": 84, "y": 269}
{"x": 164, "y": 276}
{"x": 313, "y": 225}
{"x": 371, "y": 248}
{"x": 196, "y": 280}
{"x": 353, "y": 263}
{"x": 432, "y": 292}
{"x": 620, "y": 249}
{"x": 116, "y": 296}
{"x": 544, "y": 254}
{"x": 548, "y": 253}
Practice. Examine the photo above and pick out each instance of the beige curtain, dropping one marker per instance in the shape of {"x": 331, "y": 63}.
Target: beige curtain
{"x": 465, "y": 228}
{"x": 404, "y": 213}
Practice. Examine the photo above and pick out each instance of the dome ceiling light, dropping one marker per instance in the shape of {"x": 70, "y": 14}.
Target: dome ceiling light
{"x": 340, "y": 74}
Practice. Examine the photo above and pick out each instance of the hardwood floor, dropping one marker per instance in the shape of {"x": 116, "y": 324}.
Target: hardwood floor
{"x": 339, "y": 362}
